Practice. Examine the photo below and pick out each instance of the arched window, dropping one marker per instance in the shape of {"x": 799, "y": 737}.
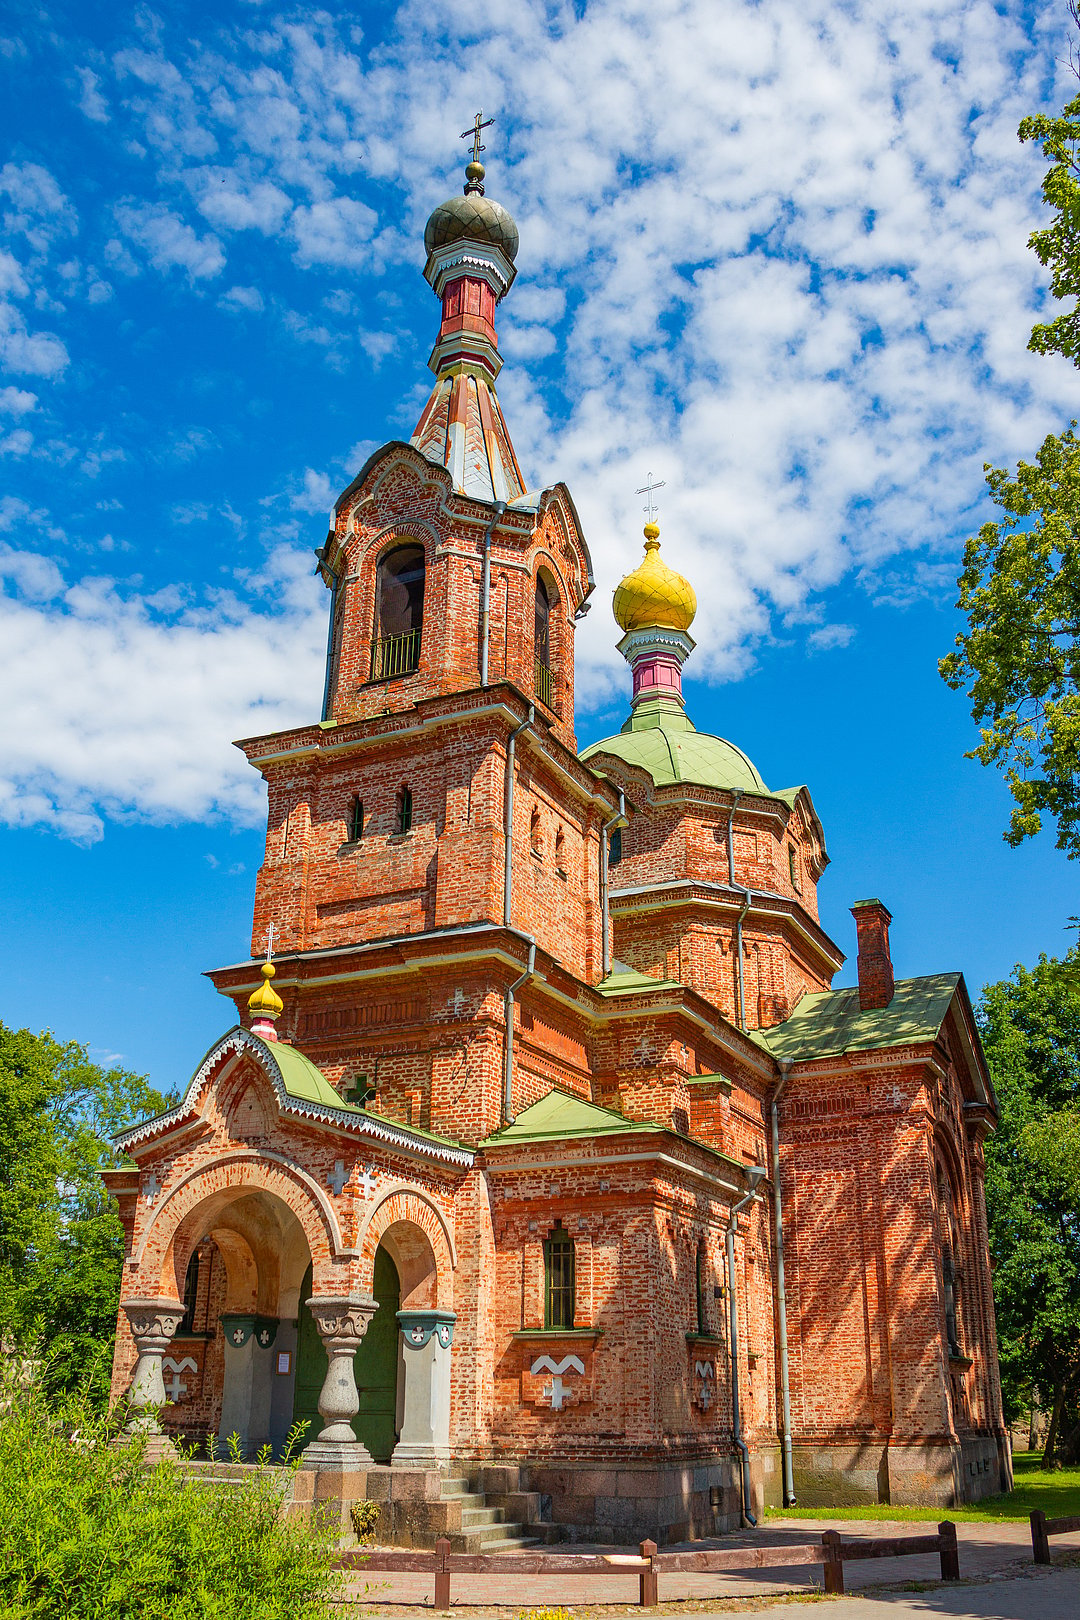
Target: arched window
{"x": 793, "y": 868}
{"x": 560, "y": 851}
{"x": 614, "y": 855}
{"x": 545, "y": 685}
{"x": 191, "y": 1293}
{"x": 356, "y": 820}
{"x": 399, "y": 613}
{"x": 535, "y": 834}
{"x": 404, "y": 809}
{"x": 559, "y": 1279}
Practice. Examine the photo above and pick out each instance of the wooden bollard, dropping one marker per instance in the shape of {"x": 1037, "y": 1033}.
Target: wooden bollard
{"x": 950, "y": 1553}
{"x": 647, "y": 1595}
{"x": 442, "y": 1573}
{"x": 834, "y": 1562}
{"x": 1040, "y": 1541}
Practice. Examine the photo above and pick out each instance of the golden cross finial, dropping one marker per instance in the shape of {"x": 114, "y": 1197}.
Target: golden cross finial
{"x": 479, "y": 123}
{"x": 648, "y": 488}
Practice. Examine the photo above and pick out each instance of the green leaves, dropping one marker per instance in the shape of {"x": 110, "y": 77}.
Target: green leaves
{"x": 61, "y": 1244}
{"x": 1030, "y": 1028}
{"x": 1020, "y": 590}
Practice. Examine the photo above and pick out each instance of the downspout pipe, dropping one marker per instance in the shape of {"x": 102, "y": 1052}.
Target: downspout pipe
{"x": 330, "y": 648}
{"x": 754, "y": 1174}
{"x": 508, "y": 1043}
{"x": 739, "y": 979}
{"x": 485, "y": 590}
{"x": 508, "y": 817}
{"x": 617, "y": 820}
{"x": 781, "y": 1294}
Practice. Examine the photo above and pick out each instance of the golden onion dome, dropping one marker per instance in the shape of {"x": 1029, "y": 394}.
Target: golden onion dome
{"x": 265, "y": 1001}
{"x": 654, "y": 594}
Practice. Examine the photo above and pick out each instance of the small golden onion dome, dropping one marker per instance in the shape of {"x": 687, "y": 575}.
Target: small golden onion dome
{"x": 265, "y": 1001}
{"x": 654, "y": 594}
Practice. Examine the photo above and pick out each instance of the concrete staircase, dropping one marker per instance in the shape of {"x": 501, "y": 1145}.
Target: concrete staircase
{"x": 496, "y": 1515}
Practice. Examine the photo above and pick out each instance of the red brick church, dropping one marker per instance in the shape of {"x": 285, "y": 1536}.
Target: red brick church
{"x": 542, "y": 1166}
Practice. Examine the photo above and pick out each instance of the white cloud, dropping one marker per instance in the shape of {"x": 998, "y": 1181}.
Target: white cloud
{"x": 337, "y": 231}
{"x": 228, "y": 201}
{"x": 91, "y": 101}
{"x": 246, "y": 298}
{"x": 169, "y": 243}
{"x": 112, "y": 704}
{"x": 17, "y": 401}
{"x": 35, "y": 354}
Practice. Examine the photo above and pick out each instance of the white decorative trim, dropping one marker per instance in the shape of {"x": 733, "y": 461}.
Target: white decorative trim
{"x": 413, "y": 1191}
{"x": 548, "y": 1364}
{"x": 241, "y": 1042}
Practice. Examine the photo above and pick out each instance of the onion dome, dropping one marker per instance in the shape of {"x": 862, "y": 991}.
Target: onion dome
{"x": 472, "y": 218}
{"x": 654, "y": 595}
{"x": 265, "y": 1005}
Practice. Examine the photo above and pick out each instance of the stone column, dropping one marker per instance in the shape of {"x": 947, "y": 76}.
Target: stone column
{"x": 245, "y": 1401}
{"x": 153, "y": 1323}
{"x": 425, "y": 1432}
{"x": 342, "y": 1321}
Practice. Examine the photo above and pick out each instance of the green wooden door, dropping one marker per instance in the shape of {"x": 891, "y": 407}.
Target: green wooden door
{"x": 375, "y": 1366}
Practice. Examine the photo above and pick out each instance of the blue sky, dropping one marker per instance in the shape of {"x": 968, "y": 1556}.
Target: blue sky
{"x": 775, "y": 255}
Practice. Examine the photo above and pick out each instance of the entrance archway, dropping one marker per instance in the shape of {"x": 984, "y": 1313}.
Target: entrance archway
{"x": 375, "y": 1366}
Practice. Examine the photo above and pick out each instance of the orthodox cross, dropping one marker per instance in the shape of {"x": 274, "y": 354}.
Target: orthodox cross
{"x": 556, "y": 1392}
{"x": 648, "y": 488}
{"x": 338, "y": 1180}
{"x": 176, "y": 1387}
{"x": 270, "y": 930}
{"x": 479, "y": 123}
{"x": 151, "y": 1187}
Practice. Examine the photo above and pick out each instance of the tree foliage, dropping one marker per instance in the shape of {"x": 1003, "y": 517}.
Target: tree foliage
{"x": 87, "y": 1530}
{"x": 61, "y": 1244}
{"x": 1030, "y": 1027}
{"x": 1020, "y": 588}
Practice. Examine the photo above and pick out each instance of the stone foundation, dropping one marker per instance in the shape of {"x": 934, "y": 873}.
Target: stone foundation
{"x": 919, "y": 1474}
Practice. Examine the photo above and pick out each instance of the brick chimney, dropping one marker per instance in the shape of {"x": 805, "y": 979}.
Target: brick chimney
{"x": 876, "y": 982}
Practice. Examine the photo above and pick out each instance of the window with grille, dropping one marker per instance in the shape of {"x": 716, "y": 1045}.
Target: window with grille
{"x": 544, "y": 681}
{"x": 615, "y": 847}
{"x": 404, "y": 810}
{"x": 399, "y": 613}
{"x": 356, "y": 820}
{"x": 559, "y": 1279}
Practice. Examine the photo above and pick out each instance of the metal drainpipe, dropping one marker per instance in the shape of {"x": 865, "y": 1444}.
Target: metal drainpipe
{"x": 781, "y": 1295}
{"x": 733, "y": 1334}
{"x": 736, "y": 796}
{"x": 485, "y": 591}
{"x": 508, "y": 1042}
{"x": 508, "y": 822}
{"x": 330, "y": 648}
{"x": 617, "y": 820}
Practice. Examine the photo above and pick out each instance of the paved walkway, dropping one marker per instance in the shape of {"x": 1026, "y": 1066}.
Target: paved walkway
{"x": 989, "y": 1553}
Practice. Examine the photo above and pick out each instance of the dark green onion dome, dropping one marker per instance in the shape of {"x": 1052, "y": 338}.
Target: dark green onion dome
{"x": 661, "y": 739}
{"x": 472, "y": 218}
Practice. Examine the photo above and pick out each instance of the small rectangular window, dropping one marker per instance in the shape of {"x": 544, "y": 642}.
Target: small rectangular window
{"x": 793, "y": 868}
{"x": 559, "y": 1280}
{"x": 356, "y": 821}
{"x": 405, "y": 810}
{"x": 615, "y": 848}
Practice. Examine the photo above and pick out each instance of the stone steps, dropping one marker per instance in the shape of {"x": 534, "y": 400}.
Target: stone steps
{"x": 487, "y": 1526}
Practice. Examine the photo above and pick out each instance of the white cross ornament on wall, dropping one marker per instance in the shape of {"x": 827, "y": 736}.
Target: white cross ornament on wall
{"x": 151, "y": 1187}
{"x": 366, "y": 1182}
{"x": 338, "y": 1179}
{"x": 556, "y": 1392}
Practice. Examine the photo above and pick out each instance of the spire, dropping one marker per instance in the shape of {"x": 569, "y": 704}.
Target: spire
{"x": 471, "y": 244}
{"x": 655, "y": 606}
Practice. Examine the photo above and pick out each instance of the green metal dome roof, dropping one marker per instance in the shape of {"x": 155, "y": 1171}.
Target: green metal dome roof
{"x": 661, "y": 739}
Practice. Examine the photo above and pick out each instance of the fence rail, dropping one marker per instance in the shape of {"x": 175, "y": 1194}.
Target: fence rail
{"x": 1043, "y": 1528}
{"x": 544, "y": 684}
{"x": 395, "y": 655}
{"x": 649, "y": 1563}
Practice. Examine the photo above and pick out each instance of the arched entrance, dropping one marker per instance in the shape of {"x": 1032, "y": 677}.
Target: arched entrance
{"x": 375, "y": 1366}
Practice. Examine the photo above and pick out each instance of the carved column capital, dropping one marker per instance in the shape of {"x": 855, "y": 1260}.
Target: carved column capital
{"x": 153, "y": 1323}
{"x": 342, "y": 1321}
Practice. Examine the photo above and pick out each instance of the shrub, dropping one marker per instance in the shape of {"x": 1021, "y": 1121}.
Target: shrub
{"x": 89, "y": 1531}
{"x": 545, "y": 1614}
{"x": 365, "y": 1517}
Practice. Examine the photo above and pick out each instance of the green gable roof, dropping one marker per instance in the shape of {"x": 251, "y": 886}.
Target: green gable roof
{"x": 831, "y": 1022}
{"x": 303, "y": 1080}
{"x": 558, "y": 1117}
{"x": 628, "y": 982}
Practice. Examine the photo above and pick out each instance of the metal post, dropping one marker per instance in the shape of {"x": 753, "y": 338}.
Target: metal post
{"x": 647, "y": 1595}
{"x": 834, "y": 1563}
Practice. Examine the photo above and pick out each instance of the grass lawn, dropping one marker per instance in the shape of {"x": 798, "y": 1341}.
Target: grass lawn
{"x": 1057, "y": 1492}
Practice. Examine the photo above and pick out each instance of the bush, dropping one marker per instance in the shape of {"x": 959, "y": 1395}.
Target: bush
{"x": 89, "y": 1531}
{"x": 365, "y": 1517}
